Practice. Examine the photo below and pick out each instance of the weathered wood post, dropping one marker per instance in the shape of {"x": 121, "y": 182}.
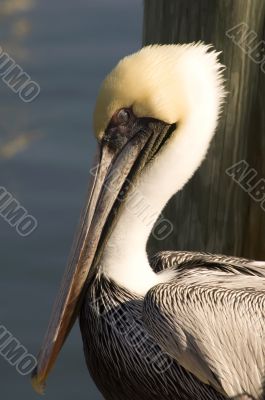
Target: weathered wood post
{"x": 214, "y": 212}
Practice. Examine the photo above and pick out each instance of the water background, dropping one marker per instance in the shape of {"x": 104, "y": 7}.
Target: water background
{"x": 46, "y": 147}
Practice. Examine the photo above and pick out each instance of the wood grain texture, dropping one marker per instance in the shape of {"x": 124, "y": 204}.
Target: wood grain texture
{"x": 213, "y": 213}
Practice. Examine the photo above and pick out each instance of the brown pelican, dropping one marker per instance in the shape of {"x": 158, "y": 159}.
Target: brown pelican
{"x": 185, "y": 325}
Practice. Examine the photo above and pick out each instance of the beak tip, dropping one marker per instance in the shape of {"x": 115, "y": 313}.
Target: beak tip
{"x": 37, "y": 383}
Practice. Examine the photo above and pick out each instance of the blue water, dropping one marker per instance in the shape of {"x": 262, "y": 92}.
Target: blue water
{"x": 67, "y": 46}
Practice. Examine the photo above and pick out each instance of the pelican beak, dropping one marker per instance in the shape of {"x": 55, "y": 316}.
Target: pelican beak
{"x": 120, "y": 159}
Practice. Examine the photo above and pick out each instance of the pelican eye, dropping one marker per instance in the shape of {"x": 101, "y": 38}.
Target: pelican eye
{"x": 123, "y": 116}
{"x": 120, "y": 128}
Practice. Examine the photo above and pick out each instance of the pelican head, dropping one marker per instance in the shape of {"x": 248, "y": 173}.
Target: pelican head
{"x": 155, "y": 115}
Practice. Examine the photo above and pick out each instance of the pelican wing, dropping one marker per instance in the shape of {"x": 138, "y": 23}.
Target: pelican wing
{"x": 211, "y": 319}
{"x": 189, "y": 259}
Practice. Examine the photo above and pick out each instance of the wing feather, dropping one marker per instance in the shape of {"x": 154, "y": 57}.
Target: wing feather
{"x": 213, "y": 323}
{"x": 189, "y": 259}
